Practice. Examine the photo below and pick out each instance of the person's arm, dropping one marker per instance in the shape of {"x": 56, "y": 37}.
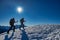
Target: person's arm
{"x": 24, "y": 21}
{"x": 16, "y": 21}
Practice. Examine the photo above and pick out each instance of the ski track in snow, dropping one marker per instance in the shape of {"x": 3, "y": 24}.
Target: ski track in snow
{"x": 39, "y": 32}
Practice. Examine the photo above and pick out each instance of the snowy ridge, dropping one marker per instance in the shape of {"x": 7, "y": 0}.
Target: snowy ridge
{"x": 39, "y": 32}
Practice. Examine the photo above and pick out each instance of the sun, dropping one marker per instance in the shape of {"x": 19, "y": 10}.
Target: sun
{"x": 19, "y": 9}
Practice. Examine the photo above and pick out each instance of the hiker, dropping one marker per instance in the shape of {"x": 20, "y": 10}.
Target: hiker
{"x": 12, "y": 21}
{"x": 22, "y": 22}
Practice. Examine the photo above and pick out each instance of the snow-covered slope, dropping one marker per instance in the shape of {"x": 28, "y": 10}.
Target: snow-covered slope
{"x": 39, "y": 32}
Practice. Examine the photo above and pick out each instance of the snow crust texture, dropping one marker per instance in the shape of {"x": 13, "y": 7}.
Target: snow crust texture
{"x": 38, "y": 32}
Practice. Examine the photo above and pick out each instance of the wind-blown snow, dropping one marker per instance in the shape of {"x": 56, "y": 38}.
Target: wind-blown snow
{"x": 39, "y": 32}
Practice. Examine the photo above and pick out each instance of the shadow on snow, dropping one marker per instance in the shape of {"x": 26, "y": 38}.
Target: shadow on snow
{"x": 24, "y": 35}
{"x": 6, "y": 36}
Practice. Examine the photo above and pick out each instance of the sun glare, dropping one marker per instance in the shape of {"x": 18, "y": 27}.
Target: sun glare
{"x": 19, "y": 9}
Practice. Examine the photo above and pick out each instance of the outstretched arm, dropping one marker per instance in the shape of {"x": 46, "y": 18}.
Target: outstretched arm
{"x": 24, "y": 21}
{"x": 16, "y": 21}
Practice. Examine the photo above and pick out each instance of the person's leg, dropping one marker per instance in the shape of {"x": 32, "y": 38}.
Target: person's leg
{"x": 9, "y": 29}
{"x": 20, "y": 27}
{"x": 14, "y": 29}
{"x": 23, "y": 26}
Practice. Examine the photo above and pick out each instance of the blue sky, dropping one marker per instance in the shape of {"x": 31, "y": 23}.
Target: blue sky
{"x": 34, "y": 11}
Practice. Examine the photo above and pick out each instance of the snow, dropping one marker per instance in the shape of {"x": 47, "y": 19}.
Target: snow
{"x": 39, "y": 32}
